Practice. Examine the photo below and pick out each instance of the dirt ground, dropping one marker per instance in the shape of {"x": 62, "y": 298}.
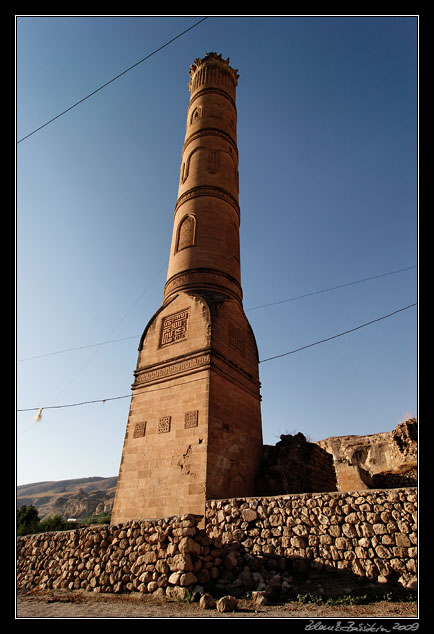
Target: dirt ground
{"x": 85, "y": 605}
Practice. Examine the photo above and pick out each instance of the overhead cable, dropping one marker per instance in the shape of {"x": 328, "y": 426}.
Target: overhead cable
{"x": 333, "y": 288}
{"x": 103, "y": 400}
{"x": 112, "y": 80}
{"x": 291, "y": 299}
{"x": 346, "y": 332}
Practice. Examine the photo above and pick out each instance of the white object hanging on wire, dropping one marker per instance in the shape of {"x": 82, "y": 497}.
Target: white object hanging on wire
{"x": 38, "y": 416}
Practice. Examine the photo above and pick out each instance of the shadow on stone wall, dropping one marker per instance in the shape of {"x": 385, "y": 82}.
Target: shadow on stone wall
{"x": 370, "y": 536}
{"x": 282, "y": 579}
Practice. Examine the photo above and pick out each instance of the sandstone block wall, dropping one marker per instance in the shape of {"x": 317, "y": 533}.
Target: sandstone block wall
{"x": 179, "y": 447}
{"x": 247, "y": 544}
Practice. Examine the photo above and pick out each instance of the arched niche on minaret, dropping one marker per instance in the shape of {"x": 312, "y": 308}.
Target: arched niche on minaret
{"x": 186, "y": 233}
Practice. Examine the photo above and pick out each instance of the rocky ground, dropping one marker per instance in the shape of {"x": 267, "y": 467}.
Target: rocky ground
{"x": 61, "y": 604}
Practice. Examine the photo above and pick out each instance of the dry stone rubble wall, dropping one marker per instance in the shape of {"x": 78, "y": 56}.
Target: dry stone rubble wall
{"x": 370, "y": 534}
{"x": 248, "y": 544}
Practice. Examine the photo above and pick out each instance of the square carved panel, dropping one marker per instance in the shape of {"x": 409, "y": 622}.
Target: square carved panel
{"x": 174, "y": 328}
{"x": 139, "y": 429}
{"x": 164, "y": 425}
{"x": 191, "y": 419}
{"x": 236, "y": 338}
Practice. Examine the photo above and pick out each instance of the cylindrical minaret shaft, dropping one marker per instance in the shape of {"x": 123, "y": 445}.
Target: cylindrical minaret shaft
{"x": 205, "y": 243}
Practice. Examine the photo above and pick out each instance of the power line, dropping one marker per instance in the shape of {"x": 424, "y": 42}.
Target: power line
{"x": 93, "y": 355}
{"x": 325, "y": 290}
{"x": 112, "y": 80}
{"x": 103, "y": 400}
{"x": 100, "y": 400}
{"x": 89, "y": 345}
{"x": 333, "y": 288}
{"x": 368, "y": 323}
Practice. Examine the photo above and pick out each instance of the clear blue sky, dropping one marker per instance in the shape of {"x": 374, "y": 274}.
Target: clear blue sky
{"x": 327, "y": 137}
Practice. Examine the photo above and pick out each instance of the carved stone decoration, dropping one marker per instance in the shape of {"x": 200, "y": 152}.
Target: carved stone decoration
{"x": 211, "y": 164}
{"x": 140, "y": 429}
{"x": 164, "y": 425}
{"x": 191, "y": 419}
{"x": 196, "y": 115}
{"x": 202, "y": 72}
{"x": 207, "y": 191}
{"x": 174, "y": 328}
{"x": 196, "y": 278}
{"x": 236, "y": 338}
{"x": 173, "y": 369}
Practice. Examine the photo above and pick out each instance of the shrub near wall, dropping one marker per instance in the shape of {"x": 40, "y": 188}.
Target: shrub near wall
{"x": 371, "y": 534}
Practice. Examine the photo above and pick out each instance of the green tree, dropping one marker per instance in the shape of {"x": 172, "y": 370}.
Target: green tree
{"x": 54, "y": 523}
{"x": 27, "y": 520}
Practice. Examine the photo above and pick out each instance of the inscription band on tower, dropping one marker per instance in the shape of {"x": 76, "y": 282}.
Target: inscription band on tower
{"x": 170, "y": 370}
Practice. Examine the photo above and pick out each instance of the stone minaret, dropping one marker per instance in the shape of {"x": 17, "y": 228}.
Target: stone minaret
{"x": 194, "y": 428}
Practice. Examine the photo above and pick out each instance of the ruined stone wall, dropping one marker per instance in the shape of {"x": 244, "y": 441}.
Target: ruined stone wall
{"x": 295, "y": 465}
{"x": 247, "y": 544}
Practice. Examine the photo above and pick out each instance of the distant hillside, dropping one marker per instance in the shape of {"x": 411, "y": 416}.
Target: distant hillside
{"x": 77, "y": 498}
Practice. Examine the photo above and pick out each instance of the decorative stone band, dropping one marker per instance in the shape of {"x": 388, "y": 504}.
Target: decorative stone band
{"x": 217, "y": 192}
{"x": 207, "y": 132}
{"x": 164, "y": 372}
{"x": 167, "y": 371}
{"x": 210, "y": 90}
{"x": 203, "y": 280}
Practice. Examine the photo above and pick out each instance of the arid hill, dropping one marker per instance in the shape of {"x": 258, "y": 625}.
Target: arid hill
{"x": 77, "y": 498}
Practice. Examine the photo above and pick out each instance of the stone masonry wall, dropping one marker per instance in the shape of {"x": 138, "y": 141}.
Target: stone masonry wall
{"x": 370, "y": 534}
{"x": 248, "y": 544}
{"x": 143, "y": 556}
